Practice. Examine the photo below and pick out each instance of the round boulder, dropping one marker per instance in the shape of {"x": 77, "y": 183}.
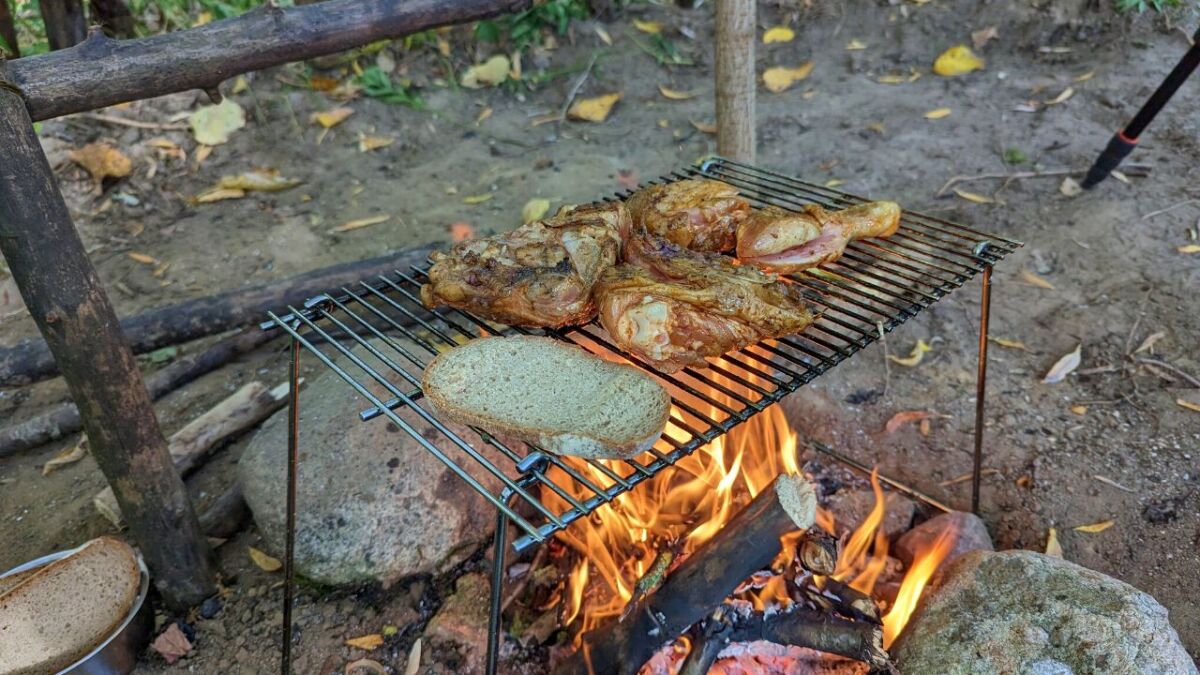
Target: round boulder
{"x": 1025, "y": 612}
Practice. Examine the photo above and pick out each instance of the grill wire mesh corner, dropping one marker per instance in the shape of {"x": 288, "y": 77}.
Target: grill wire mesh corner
{"x": 378, "y": 337}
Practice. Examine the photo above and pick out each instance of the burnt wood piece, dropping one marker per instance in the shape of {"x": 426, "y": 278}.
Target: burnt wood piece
{"x": 63, "y": 294}
{"x": 65, "y": 22}
{"x": 818, "y": 551}
{"x": 100, "y": 71}
{"x": 747, "y": 543}
{"x": 30, "y": 360}
{"x": 8, "y": 31}
{"x": 63, "y": 419}
{"x": 114, "y": 17}
{"x": 225, "y": 516}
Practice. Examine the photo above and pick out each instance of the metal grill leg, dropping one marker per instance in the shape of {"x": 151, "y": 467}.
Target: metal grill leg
{"x": 981, "y": 385}
{"x": 289, "y": 547}
{"x": 493, "y": 648}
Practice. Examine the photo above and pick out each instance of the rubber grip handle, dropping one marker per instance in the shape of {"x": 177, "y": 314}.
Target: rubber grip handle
{"x": 1119, "y": 147}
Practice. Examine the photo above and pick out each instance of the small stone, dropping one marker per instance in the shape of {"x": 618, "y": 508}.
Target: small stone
{"x": 851, "y": 507}
{"x": 210, "y": 607}
{"x": 971, "y": 535}
{"x": 462, "y": 621}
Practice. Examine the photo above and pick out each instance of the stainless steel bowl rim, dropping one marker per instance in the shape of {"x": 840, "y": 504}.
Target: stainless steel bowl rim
{"x": 143, "y": 590}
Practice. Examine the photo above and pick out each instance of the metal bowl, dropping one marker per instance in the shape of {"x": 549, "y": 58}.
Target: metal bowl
{"x": 117, "y": 654}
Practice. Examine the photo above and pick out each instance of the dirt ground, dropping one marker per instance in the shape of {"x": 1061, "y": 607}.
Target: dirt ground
{"x": 1113, "y": 262}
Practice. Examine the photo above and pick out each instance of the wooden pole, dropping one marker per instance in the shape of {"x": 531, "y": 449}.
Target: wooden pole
{"x": 100, "y": 71}
{"x": 8, "y": 32}
{"x": 66, "y": 25}
{"x": 735, "y": 79}
{"x": 62, "y": 291}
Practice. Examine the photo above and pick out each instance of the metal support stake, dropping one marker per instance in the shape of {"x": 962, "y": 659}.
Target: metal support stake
{"x": 289, "y": 570}
{"x": 981, "y": 379}
{"x": 499, "y": 542}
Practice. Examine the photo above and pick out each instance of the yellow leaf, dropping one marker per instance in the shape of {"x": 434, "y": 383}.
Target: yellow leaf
{"x": 972, "y": 197}
{"x": 203, "y": 18}
{"x": 778, "y": 34}
{"x": 595, "y": 109}
{"x": 367, "y": 642}
{"x": 652, "y": 27}
{"x": 1184, "y": 403}
{"x": 937, "y": 113}
{"x": 1053, "y": 548}
{"x": 331, "y": 118}
{"x": 162, "y": 143}
{"x": 217, "y": 194}
{"x": 1079, "y": 409}
{"x": 534, "y": 209}
{"x": 68, "y": 456}
{"x": 142, "y": 258}
{"x": 489, "y": 73}
{"x": 957, "y": 60}
{"x": 1094, "y": 527}
{"x": 258, "y": 180}
{"x": 833, "y": 182}
{"x": 676, "y": 95}
{"x": 779, "y": 78}
{"x": 855, "y": 45}
{"x": 483, "y": 115}
{"x": 477, "y": 199}
{"x": 1189, "y": 248}
{"x": 704, "y": 127}
{"x": 603, "y": 35}
{"x": 1064, "y": 366}
{"x": 915, "y": 356}
{"x": 212, "y": 124}
{"x": 1084, "y": 77}
{"x": 1011, "y": 344}
{"x": 1149, "y": 342}
{"x": 264, "y": 561}
{"x": 1034, "y": 280}
{"x": 367, "y": 143}
{"x": 102, "y": 161}
{"x": 877, "y": 127}
{"x": 1066, "y": 94}
{"x": 360, "y": 223}
{"x": 239, "y": 85}
{"x": 892, "y": 79}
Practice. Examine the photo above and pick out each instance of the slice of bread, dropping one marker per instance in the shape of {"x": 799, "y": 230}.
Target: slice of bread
{"x": 57, "y": 615}
{"x": 550, "y": 393}
{"x": 11, "y": 581}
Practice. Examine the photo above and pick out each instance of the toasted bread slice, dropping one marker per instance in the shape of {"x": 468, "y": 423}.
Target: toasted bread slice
{"x": 550, "y": 393}
{"x": 57, "y": 615}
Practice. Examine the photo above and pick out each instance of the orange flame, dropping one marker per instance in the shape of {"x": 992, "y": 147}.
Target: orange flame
{"x": 925, "y": 563}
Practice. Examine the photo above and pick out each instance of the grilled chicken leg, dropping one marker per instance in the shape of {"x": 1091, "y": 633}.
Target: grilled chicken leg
{"x": 782, "y": 242}
{"x": 699, "y": 214}
{"x": 674, "y": 307}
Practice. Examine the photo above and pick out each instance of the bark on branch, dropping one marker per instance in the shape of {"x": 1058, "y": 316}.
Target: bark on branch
{"x": 100, "y": 71}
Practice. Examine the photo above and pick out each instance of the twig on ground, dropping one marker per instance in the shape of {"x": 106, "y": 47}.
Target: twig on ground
{"x": 562, "y": 113}
{"x": 524, "y": 581}
{"x": 1166, "y": 366}
{"x": 1170, "y": 208}
{"x": 136, "y": 124}
{"x": 1130, "y": 169}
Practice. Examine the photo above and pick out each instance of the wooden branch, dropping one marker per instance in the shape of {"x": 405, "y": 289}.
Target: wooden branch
{"x": 114, "y": 17}
{"x": 8, "y": 32}
{"x": 225, "y": 516}
{"x": 735, "y": 80}
{"x": 242, "y": 410}
{"x": 63, "y": 419}
{"x": 818, "y": 551}
{"x": 745, "y": 545}
{"x": 100, "y": 72}
{"x": 65, "y": 22}
{"x": 30, "y": 360}
{"x": 64, "y": 296}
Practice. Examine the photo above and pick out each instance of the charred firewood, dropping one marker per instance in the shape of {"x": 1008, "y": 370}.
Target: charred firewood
{"x": 817, "y": 552}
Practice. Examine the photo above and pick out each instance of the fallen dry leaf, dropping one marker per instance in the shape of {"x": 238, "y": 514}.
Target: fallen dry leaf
{"x": 937, "y": 113}
{"x": 1093, "y": 528}
{"x": 534, "y": 209}
{"x": 779, "y": 78}
{"x": 924, "y": 427}
{"x": 1189, "y": 248}
{"x": 366, "y": 642}
{"x": 907, "y": 417}
{"x": 369, "y": 664}
{"x": 1053, "y": 548}
{"x": 239, "y": 85}
{"x": 171, "y": 644}
{"x": 1184, "y": 403}
{"x": 915, "y": 356}
{"x": 258, "y": 180}
{"x": 1108, "y": 481}
{"x": 102, "y": 161}
{"x": 331, "y": 118}
{"x": 413, "y": 665}
{"x": 487, "y": 74}
{"x": 483, "y": 115}
{"x": 477, "y": 199}
{"x": 1064, "y": 366}
{"x": 603, "y": 35}
{"x": 322, "y": 83}
{"x": 68, "y": 456}
{"x": 973, "y": 197}
{"x": 833, "y": 182}
{"x": 981, "y": 37}
{"x": 360, "y": 223}
{"x": 595, "y": 109}
{"x": 461, "y": 231}
{"x": 651, "y": 27}
{"x": 892, "y": 79}
{"x": 212, "y": 124}
{"x": 367, "y": 143}
{"x": 142, "y": 258}
{"x": 264, "y": 561}
{"x": 1034, "y": 280}
{"x": 957, "y": 60}
{"x": 675, "y": 95}
{"x": 1070, "y": 187}
{"x": 217, "y": 194}
{"x": 1066, "y": 94}
{"x": 855, "y": 45}
{"x": 1149, "y": 342}
{"x": 1119, "y": 175}
{"x": 1084, "y": 77}
{"x": 704, "y": 127}
{"x": 1079, "y": 409}
{"x": 778, "y": 34}
{"x": 1011, "y": 344}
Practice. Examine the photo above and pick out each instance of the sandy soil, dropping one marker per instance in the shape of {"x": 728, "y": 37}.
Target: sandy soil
{"x": 1117, "y": 275}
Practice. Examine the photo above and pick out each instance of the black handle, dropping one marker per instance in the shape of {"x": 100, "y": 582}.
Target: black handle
{"x": 1119, "y": 147}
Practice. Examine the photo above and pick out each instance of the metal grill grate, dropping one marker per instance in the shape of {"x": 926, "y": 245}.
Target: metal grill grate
{"x": 877, "y": 285}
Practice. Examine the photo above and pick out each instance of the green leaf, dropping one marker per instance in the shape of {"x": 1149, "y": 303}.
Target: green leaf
{"x": 163, "y": 355}
{"x": 487, "y": 31}
{"x": 1015, "y": 156}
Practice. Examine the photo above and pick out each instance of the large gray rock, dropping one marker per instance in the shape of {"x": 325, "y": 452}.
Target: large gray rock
{"x": 1025, "y": 612}
{"x": 373, "y": 505}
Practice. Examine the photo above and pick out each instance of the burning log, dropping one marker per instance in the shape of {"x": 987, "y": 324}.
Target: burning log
{"x": 747, "y": 543}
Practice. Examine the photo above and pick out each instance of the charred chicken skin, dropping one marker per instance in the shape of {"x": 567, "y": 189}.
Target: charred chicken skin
{"x": 782, "y": 242}
{"x": 540, "y": 274}
{"x": 702, "y": 215}
{"x": 674, "y": 308}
